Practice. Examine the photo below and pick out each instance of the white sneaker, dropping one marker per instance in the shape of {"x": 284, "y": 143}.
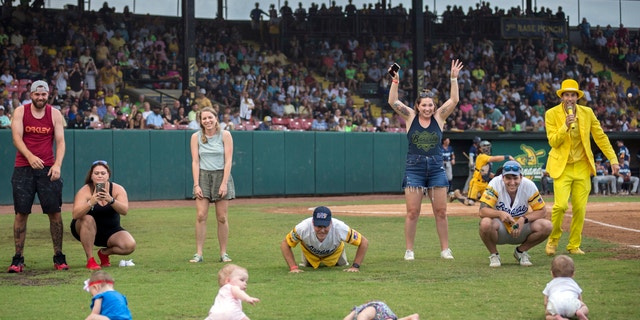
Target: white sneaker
{"x": 446, "y": 254}
{"x": 408, "y": 255}
{"x": 494, "y": 260}
{"x": 523, "y": 258}
{"x": 127, "y": 263}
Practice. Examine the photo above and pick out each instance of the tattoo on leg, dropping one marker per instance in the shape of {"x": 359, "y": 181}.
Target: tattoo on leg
{"x": 56, "y": 235}
{"x": 19, "y": 236}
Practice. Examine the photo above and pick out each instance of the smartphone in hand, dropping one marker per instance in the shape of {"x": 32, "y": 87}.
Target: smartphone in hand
{"x": 99, "y": 187}
{"x": 394, "y": 69}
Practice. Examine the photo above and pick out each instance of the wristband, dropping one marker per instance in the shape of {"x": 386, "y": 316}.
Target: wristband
{"x": 196, "y": 185}
{"x": 454, "y": 79}
{"x": 395, "y": 81}
{"x": 112, "y": 200}
{"x": 526, "y": 220}
{"x": 506, "y": 156}
{"x": 355, "y": 265}
{"x": 293, "y": 268}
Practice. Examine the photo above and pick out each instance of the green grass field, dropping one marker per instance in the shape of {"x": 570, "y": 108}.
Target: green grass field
{"x": 164, "y": 285}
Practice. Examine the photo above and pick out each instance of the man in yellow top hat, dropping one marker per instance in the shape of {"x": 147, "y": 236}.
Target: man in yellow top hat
{"x": 570, "y": 162}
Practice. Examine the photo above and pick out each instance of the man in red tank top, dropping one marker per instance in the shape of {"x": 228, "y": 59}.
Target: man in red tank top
{"x": 35, "y": 127}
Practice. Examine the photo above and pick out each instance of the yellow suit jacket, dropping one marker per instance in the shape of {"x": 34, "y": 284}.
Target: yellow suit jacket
{"x": 560, "y": 142}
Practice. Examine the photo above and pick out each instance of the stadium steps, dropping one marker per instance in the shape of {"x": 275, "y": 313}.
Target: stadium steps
{"x": 597, "y": 66}
{"x": 358, "y": 100}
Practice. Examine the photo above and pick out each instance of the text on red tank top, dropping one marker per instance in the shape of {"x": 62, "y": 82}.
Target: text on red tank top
{"x": 38, "y": 136}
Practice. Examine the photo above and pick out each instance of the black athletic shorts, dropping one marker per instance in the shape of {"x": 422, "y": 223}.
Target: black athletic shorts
{"x": 27, "y": 182}
{"x": 102, "y": 234}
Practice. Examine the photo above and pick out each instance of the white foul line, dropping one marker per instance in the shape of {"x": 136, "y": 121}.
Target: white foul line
{"x": 612, "y": 226}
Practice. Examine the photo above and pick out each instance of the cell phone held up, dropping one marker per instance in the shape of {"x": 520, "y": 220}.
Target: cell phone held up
{"x": 99, "y": 187}
{"x": 394, "y": 69}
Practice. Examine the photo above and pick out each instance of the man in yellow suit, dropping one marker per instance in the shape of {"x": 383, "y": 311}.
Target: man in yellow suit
{"x": 570, "y": 163}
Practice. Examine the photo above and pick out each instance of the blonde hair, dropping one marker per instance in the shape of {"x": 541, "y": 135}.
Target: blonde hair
{"x": 101, "y": 279}
{"x": 225, "y": 273}
{"x": 203, "y": 137}
{"x": 562, "y": 266}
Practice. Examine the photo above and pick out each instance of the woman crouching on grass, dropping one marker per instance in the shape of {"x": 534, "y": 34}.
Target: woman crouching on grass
{"x": 96, "y": 212}
{"x": 211, "y": 154}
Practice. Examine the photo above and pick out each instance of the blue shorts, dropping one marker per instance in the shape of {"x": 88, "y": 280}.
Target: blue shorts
{"x": 424, "y": 172}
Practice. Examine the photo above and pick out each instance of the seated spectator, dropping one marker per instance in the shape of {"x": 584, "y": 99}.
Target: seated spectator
{"x": 136, "y": 121}
{"x": 146, "y": 110}
{"x": 626, "y": 180}
{"x": 289, "y": 108}
{"x": 277, "y": 108}
{"x": 109, "y": 116}
{"x": 94, "y": 118}
{"x": 5, "y": 122}
{"x": 119, "y": 122}
{"x": 7, "y": 77}
{"x": 265, "y": 125}
{"x": 226, "y": 123}
{"x": 167, "y": 116}
{"x": 77, "y": 123}
{"x": 181, "y": 117}
{"x": 319, "y": 123}
{"x": 382, "y": 119}
{"x": 374, "y": 74}
{"x": 603, "y": 176}
{"x": 112, "y": 98}
{"x": 154, "y": 120}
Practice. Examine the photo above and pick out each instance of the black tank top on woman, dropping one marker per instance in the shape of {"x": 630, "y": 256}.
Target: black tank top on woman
{"x": 425, "y": 141}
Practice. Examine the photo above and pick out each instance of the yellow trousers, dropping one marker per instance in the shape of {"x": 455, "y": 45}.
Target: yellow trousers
{"x": 575, "y": 182}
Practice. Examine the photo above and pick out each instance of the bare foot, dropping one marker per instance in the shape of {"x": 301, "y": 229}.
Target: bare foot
{"x": 581, "y": 315}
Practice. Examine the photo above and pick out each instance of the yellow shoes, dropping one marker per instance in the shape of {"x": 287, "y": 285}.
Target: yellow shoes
{"x": 551, "y": 247}
{"x": 576, "y": 251}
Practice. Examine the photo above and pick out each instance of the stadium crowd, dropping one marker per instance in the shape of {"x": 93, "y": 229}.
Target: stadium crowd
{"x": 307, "y": 83}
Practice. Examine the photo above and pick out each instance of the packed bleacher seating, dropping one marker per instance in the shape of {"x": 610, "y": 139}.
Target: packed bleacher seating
{"x": 305, "y": 79}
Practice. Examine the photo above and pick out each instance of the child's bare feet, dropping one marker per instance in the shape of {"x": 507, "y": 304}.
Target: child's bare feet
{"x": 581, "y": 315}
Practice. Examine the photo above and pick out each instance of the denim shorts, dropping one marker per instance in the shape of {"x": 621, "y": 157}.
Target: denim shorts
{"x": 424, "y": 172}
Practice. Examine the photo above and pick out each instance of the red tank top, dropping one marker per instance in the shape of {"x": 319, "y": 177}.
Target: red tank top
{"x": 37, "y": 136}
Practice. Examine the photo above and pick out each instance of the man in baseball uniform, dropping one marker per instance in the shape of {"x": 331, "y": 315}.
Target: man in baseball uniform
{"x": 512, "y": 211}
{"x": 322, "y": 240}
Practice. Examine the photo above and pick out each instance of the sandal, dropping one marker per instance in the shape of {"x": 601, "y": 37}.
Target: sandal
{"x": 196, "y": 258}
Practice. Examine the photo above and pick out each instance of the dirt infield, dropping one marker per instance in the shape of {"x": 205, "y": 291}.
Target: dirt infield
{"x": 617, "y": 222}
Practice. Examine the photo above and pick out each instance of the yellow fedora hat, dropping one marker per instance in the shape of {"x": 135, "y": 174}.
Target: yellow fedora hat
{"x": 570, "y": 85}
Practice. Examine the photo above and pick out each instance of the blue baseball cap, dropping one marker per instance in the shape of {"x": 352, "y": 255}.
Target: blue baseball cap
{"x": 321, "y": 217}
{"x": 512, "y": 167}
